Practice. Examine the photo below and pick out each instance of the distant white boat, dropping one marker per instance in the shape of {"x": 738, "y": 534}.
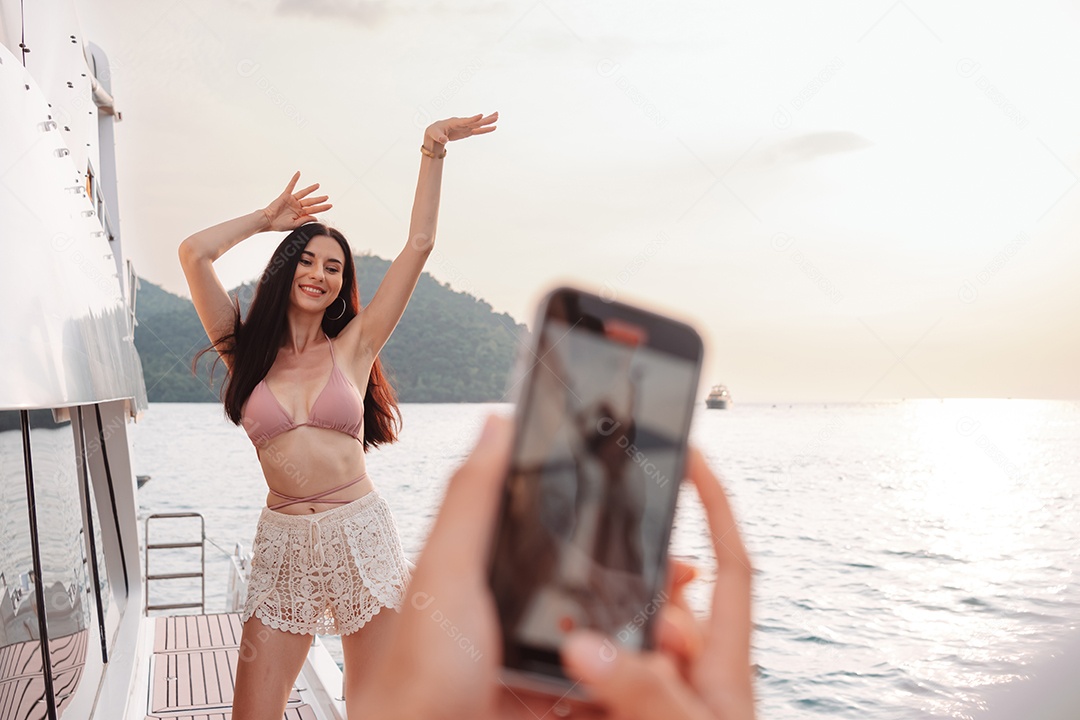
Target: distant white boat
{"x": 718, "y": 398}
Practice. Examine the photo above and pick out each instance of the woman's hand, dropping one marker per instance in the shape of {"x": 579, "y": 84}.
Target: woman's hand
{"x": 291, "y": 210}
{"x": 444, "y": 131}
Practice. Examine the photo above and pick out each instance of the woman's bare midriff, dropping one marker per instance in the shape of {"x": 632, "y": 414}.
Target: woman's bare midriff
{"x": 353, "y": 492}
{"x": 306, "y": 461}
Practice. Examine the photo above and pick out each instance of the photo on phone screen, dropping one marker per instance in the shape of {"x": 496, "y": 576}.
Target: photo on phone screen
{"x": 590, "y": 495}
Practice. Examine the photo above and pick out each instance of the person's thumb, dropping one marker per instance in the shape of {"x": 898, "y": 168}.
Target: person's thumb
{"x": 643, "y": 686}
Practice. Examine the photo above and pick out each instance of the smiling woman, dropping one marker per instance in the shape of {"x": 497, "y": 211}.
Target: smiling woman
{"x": 306, "y": 383}
{"x": 319, "y": 269}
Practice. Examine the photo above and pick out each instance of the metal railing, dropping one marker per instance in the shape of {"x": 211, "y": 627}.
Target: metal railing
{"x": 201, "y": 574}
{"x": 239, "y": 567}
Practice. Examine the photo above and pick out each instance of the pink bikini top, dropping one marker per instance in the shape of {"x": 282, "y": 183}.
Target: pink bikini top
{"x": 338, "y": 407}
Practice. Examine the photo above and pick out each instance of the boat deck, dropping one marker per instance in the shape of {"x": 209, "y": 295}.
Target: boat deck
{"x": 194, "y": 667}
{"x": 22, "y": 687}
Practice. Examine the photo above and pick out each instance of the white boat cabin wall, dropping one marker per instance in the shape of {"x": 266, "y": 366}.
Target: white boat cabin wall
{"x": 70, "y": 589}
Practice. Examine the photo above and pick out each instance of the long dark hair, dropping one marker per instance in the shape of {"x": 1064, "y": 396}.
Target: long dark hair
{"x": 253, "y": 344}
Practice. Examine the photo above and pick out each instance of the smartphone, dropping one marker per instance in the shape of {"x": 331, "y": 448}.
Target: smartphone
{"x": 589, "y": 497}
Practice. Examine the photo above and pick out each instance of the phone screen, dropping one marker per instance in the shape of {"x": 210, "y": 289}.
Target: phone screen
{"x": 591, "y": 489}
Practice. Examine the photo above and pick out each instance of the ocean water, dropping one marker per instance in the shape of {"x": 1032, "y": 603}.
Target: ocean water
{"x": 909, "y": 557}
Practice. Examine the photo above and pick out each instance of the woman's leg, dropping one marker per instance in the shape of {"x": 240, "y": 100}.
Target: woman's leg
{"x": 361, "y": 651}
{"x": 269, "y": 662}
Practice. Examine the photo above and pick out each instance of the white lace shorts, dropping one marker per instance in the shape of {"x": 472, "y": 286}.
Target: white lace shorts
{"x": 328, "y": 572}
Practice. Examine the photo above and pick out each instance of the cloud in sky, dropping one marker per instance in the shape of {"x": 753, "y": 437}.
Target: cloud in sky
{"x": 810, "y": 146}
{"x": 368, "y": 13}
{"x": 372, "y": 13}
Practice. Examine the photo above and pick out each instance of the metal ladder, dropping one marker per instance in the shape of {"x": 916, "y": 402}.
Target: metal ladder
{"x": 201, "y": 574}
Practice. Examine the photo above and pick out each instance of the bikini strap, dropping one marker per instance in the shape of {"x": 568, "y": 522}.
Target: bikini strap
{"x": 331, "y": 343}
{"x": 290, "y": 500}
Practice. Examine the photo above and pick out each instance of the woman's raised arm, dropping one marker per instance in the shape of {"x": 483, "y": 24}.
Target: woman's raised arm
{"x": 199, "y": 251}
{"x": 384, "y": 311}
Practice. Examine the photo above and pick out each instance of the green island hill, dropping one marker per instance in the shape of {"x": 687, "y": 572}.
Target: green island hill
{"x": 449, "y": 347}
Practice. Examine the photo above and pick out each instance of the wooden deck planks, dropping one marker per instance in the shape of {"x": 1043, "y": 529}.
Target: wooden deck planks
{"x": 193, "y": 669}
{"x": 68, "y": 651}
{"x": 22, "y": 682}
{"x": 301, "y": 712}
{"x": 186, "y": 632}
{"x": 192, "y": 680}
{"x": 23, "y": 659}
{"x": 24, "y": 697}
{"x": 20, "y": 659}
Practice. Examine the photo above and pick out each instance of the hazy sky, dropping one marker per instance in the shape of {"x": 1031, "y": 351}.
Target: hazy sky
{"x": 851, "y": 200}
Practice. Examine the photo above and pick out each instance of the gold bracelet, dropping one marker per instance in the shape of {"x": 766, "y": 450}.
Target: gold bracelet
{"x": 431, "y": 153}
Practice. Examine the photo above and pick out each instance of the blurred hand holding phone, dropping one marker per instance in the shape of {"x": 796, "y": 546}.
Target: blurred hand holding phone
{"x": 441, "y": 656}
{"x": 600, "y": 447}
